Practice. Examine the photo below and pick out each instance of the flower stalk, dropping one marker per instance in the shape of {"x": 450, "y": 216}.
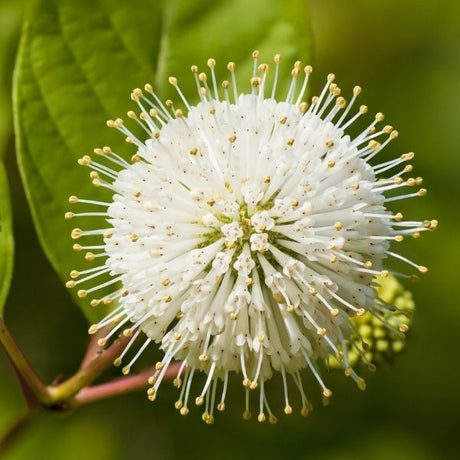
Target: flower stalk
{"x": 65, "y": 391}
{"x": 71, "y": 393}
{"x": 30, "y": 382}
{"x": 117, "y": 387}
{"x": 76, "y": 390}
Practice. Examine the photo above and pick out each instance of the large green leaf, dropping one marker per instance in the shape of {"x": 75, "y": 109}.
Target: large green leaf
{"x": 78, "y": 62}
{"x": 6, "y": 239}
{"x": 10, "y": 21}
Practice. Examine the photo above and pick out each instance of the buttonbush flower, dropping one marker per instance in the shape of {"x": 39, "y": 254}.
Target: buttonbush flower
{"x": 244, "y": 235}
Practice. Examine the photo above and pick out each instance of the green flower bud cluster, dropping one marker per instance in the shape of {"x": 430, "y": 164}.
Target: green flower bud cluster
{"x": 379, "y": 339}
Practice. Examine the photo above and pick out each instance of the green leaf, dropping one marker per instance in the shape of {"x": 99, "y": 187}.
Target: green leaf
{"x": 10, "y": 22}
{"x": 79, "y": 61}
{"x": 6, "y": 239}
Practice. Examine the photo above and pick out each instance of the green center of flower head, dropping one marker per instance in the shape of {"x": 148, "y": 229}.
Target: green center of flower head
{"x": 247, "y": 227}
{"x": 246, "y": 235}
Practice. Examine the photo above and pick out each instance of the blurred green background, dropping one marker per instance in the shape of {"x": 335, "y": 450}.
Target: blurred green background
{"x": 406, "y": 56}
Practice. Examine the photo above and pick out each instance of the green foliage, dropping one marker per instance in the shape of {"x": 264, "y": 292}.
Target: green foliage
{"x": 6, "y": 239}
{"x": 10, "y": 19}
{"x": 10, "y": 16}
{"x": 78, "y": 62}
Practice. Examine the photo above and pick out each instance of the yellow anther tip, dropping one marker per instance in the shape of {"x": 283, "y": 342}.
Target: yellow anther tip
{"x": 246, "y": 415}
{"x": 221, "y": 407}
{"x": 263, "y": 68}
{"x": 178, "y": 404}
{"x": 128, "y": 333}
{"x": 361, "y": 384}
{"x": 76, "y": 233}
{"x": 288, "y": 410}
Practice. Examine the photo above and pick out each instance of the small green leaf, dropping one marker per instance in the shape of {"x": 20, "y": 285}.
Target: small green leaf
{"x": 6, "y": 239}
{"x": 79, "y": 61}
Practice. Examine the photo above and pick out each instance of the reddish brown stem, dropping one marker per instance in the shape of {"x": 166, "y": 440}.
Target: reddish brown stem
{"x": 30, "y": 382}
{"x": 74, "y": 391}
{"x": 120, "y": 386}
{"x": 114, "y": 388}
{"x": 93, "y": 348}
{"x": 93, "y": 369}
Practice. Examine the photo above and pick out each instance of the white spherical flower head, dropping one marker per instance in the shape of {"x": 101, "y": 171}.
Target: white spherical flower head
{"x": 245, "y": 234}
